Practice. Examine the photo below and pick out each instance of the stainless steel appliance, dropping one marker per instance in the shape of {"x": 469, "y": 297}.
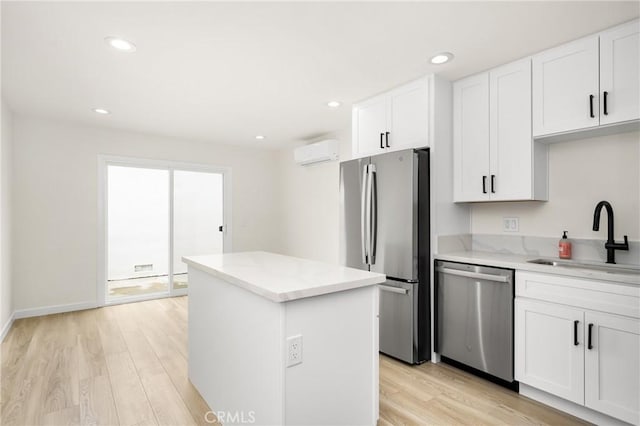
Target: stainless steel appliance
{"x": 474, "y": 317}
{"x": 384, "y": 224}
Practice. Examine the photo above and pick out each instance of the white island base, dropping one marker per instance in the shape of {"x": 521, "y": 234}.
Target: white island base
{"x": 242, "y": 309}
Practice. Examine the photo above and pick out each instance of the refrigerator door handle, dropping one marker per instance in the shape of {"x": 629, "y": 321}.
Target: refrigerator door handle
{"x": 364, "y": 214}
{"x": 374, "y": 213}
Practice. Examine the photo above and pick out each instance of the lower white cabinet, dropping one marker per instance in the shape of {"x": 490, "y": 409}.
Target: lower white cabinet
{"x": 612, "y": 366}
{"x": 580, "y": 353}
{"x": 547, "y": 356}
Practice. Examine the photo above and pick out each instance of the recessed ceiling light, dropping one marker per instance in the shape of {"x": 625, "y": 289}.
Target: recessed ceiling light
{"x": 333, "y": 104}
{"x": 259, "y": 137}
{"x": 441, "y": 58}
{"x": 101, "y": 111}
{"x": 120, "y": 44}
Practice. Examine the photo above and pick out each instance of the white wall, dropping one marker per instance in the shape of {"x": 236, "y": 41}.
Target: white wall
{"x": 55, "y": 203}
{"x": 6, "y": 144}
{"x": 311, "y": 203}
{"x": 581, "y": 173}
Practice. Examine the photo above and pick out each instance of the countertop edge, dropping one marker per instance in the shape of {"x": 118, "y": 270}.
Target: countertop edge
{"x": 289, "y": 295}
{"x": 519, "y": 262}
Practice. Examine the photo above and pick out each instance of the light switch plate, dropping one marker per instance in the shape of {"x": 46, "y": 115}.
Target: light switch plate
{"x": 510, "y": 224}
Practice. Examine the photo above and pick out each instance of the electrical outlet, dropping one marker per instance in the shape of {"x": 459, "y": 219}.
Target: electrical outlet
{"x": 510, "y": 224}
{"x": 294, "y": 350}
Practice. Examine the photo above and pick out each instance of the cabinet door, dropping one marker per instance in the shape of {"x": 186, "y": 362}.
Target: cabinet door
{"x": 612, "y": 366}
{"x": 471, "y": 138}
{"x": 369, "y": 123}
{"x": 546, "y": 356}
{"x": 409, "y": 116}
{"x": 565, "y": 88}
{"x": 620, "y": 73}
{"x": 510, "y": 132}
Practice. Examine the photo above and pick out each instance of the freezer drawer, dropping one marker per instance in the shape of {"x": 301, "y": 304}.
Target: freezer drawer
{"x": 475, "y": 317}
{"x": 397, "y": 319}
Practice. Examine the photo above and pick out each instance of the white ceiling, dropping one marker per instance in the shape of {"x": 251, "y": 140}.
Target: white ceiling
{"x": 225, "y": 72}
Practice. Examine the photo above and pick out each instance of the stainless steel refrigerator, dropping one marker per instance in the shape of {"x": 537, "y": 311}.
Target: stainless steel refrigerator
{"x": 384, "y": 227}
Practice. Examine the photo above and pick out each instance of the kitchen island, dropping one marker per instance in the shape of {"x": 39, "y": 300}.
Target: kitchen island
{"x": 280, "y": 340}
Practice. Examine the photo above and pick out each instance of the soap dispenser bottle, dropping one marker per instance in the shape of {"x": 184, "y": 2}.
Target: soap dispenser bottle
{"x": 564, "y": 247}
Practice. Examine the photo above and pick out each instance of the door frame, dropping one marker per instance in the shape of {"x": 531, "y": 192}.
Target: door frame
{"x": 104, "y": 161}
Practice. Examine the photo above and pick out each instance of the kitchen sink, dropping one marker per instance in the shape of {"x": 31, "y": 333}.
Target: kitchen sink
{"x": 604, "y": 267}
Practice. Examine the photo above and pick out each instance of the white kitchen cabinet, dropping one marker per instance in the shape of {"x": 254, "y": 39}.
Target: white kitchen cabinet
{"x": 612, "y": 366}
{"x": 371, "y": 119}
{"x": 546, "y": 353}
{"x": 579, "y": 339}
{"x": 620, "y": 73}
{"x": 471, "y": 138}
{"x": 395, "y": 120}
{"x": 495, "y": 158}
{"x": 573, "y": 82}
{"x": 565, "y": 87}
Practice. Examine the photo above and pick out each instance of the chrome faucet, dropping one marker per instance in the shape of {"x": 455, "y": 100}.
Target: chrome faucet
{"x": 610, "y": 245}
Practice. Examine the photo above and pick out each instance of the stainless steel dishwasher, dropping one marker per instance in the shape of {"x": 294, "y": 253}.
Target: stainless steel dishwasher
{"x": 474, "y": 317}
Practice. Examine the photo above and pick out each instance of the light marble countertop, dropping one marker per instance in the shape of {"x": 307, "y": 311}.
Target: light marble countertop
{"x": 282, "y": 278}
{"x": 519, "y": 262}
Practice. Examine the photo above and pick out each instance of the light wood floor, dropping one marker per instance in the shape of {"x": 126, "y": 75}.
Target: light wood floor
{"x": 127, "y": 364}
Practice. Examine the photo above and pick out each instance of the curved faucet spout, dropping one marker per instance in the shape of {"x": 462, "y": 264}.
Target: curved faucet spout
{"x": 610, "y": 245}
{"x": 596, "y": 216}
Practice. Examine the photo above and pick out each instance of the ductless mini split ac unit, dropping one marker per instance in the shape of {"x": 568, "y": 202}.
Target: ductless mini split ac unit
{"x": 326, "y": 150}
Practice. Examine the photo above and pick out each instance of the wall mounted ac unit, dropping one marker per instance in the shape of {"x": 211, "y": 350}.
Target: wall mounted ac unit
{"x": 326, "y": 150}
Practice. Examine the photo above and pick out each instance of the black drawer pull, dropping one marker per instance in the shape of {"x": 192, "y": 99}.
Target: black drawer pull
{"x": 381, "y": 143}
{"x": 575, "y": 333}
{"x": 605, "y": 94}
{"x": 484, "y": 184}
{"x": 387, "y": 139}
{"x": 493, "y": 184}
{"x": 589, "y": 345}
{"x": 591, "y": 106}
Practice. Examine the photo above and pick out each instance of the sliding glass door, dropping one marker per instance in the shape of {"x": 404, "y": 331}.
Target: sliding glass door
{"x": 198, "y": 223}
{"x": 155, "y": 214}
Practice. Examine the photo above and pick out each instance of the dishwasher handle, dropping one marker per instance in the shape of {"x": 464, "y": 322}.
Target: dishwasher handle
{"x": 393, "y": 289}
{"x": 476, "y": 275}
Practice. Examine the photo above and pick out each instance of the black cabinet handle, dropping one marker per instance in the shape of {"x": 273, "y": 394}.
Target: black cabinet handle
{"x": 221, "y": 228}
{"x": 591, "y": 106}
{"x": 381, "y": 144}
{"x": 484, "y": 184}
{"x": 605, "y": 94}
{"x": 575, "y": 333}
{"x": 589, "y": 345}
{"x": 493, "y": 184}
{"x": 387, "y": 139}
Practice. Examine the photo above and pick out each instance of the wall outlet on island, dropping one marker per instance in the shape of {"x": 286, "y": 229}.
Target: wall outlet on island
{"x": 510, "y": 224}
{"x": 294, "y": 350}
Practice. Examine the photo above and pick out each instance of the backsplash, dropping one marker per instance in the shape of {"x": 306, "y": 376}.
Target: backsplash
{"x": 582, "y": 249}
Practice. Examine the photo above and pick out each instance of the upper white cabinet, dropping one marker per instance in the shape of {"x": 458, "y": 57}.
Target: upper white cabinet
{"x": 398, "y": 119}
{"x": 587, "y": 83}
{"x": 494, "y": 151}
{"x": 620, "y": 74}
{"x": 471, "y": 138}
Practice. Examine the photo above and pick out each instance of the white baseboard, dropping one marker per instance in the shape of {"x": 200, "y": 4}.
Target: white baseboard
{"x": 55, "y": 309}
{"x": 569, "y": 407}
{"x": 7, "y": 326}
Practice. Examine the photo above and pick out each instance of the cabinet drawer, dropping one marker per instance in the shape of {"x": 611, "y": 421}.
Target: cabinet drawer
{"x": 580, "y": 292}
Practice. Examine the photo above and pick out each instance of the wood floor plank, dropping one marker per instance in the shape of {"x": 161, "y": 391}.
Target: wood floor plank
{"x": 165, "y": 400}
{"x": 97, "y": 406}
{"x": 132, "y": 404}
{"x": 66, "y": 416}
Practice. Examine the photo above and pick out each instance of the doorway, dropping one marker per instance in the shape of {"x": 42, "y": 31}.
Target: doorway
{"x": 152, "y": 214}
